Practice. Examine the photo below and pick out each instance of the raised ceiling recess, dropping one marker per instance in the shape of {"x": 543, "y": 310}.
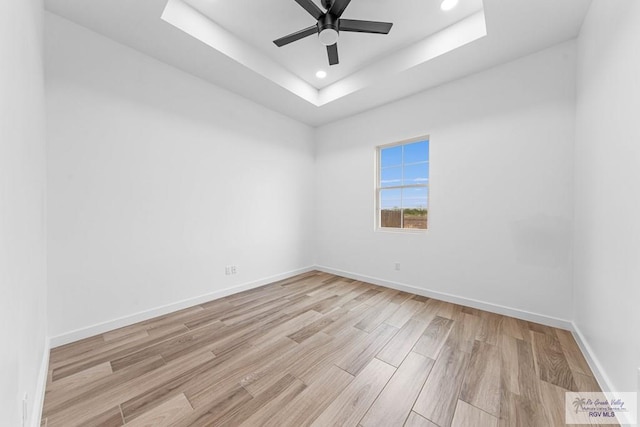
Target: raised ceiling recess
{"x": 229, "y": 43}
{"x": 421, "y": 32}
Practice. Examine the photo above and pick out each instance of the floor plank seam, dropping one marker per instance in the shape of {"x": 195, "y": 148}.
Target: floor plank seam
{"x": 122, "y": 415}
{"x": 479, "y": 409}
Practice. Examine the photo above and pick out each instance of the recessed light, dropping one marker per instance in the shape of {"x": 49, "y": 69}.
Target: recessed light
{"x": 448, "y": 4}
{"x": 321, "y": 74}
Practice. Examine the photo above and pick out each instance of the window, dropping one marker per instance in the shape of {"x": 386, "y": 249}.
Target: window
{"x": 403, "y": 185}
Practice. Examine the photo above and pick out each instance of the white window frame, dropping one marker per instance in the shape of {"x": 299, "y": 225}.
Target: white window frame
{"x": 378, "y": 188}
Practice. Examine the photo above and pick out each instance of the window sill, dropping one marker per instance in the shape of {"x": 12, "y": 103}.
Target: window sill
{"x": 402, "y": 230}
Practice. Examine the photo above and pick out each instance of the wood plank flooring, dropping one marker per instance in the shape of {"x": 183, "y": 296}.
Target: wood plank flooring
{"x": 320, "y": 350}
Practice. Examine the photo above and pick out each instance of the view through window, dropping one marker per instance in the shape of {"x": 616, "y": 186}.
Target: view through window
{"x": 403, "y": 185}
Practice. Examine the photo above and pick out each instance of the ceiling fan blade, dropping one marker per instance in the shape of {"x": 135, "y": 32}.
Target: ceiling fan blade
{"x": 311, "y": 7}
{"x": 296, "y": 36}
{"x": 338, "y": 7}
{"x": 358, "y": 26}
{"x": 332, "y": 51}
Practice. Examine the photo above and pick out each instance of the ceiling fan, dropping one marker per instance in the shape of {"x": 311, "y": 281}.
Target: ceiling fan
{"x": 330, "y": 24}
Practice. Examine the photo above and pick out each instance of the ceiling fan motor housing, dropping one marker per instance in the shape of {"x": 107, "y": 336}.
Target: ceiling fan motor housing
{"x": 328, "y": 30}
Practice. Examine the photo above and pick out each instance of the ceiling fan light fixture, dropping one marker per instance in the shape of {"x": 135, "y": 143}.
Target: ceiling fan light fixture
{"x": 328, "y": 36}
{"x": 329, "y": 24}
{"x": 448, "y": 4}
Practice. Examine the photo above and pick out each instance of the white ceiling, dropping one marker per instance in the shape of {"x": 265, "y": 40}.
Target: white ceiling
{"x": 260, "y": 22}
{"x": 183, "y": 16}
{"x": 231, "y": 45}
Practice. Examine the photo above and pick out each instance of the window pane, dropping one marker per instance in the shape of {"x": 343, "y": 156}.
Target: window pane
{"x": 391, "y": 218}
{"x": 416, "y": 174}
{"x": 391, "y": 177}
{"x": 391, "y": 199}
{"x": 415, "y": 219}
{"x": 391, "y": 156}
{"x": 415, "y": 198}
{"x": 390, "y": 212}
{"x": 414, "y": 203}
{"x": 416, "y": 152}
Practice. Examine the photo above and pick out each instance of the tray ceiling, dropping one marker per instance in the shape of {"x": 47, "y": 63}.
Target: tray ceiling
{"x": 229, "y": 43}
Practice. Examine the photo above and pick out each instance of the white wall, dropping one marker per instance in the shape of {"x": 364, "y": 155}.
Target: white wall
{"x": 22, "y": 207}
{"x": 607, "y": 199}
{"x": 501, "y": 182}
{"x": 157, "y": 180}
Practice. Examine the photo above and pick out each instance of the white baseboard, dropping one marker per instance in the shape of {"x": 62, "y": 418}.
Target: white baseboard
{"x": 596, "y": 367}
{"x": 41, "y": 386}
{"x": 481, "y": 305}
{"x": 592, "y": 360}
{"x": 110, "y": 325}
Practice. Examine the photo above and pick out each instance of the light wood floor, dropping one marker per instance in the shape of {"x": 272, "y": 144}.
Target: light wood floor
{"x": 318, "y": 350}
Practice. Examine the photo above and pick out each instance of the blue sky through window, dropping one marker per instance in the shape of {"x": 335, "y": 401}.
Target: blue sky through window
{"x": 403, "y": 165}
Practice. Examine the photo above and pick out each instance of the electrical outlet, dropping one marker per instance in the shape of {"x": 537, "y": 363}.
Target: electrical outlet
{"x": 234, "y": 269}
{"x": 227, "y": 270}
{"x": 397, "y": 266}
